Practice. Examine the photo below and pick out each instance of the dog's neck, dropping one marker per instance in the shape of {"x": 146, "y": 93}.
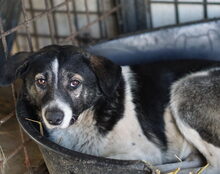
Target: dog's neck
{"x": 92, "y": 124}
{"x": 109, "y": 110}
{"x": 82, "y": 136}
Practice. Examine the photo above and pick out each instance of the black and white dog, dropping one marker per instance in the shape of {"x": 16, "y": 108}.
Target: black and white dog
{"x": 146, "y": 112}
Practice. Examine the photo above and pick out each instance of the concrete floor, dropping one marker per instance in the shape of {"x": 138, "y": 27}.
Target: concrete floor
{"x": 10, "y": 139}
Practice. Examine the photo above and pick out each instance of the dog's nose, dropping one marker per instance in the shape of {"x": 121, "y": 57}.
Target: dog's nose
{"x": 54, "y": 117}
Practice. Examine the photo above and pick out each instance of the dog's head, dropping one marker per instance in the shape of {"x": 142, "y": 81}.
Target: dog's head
{"x": 62, "y": 81}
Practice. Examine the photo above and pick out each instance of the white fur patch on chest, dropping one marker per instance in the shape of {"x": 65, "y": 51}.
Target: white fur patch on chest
{"x": 82, "y": 136}
{"x": 126, "y": 140}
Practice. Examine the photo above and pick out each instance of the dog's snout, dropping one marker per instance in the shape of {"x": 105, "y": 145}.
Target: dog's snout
{"x": 54, "y": 117}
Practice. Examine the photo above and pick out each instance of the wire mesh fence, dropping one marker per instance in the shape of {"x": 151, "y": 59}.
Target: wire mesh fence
{"x": 83, "y": 22}
{"x": 181, "y": 11}
{"x": 44, "y": 22}
{"x": 67, "y": 22}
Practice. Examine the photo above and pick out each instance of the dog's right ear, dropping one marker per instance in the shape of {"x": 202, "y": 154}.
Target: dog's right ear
{"x": 13, "y": 68}
{"x": 108, "y": 74}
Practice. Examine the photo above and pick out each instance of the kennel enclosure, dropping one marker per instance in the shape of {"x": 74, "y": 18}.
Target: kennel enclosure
{"x": 85, "y": 23}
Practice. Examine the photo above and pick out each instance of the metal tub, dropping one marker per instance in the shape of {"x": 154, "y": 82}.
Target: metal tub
{"x": 201, "y": 40}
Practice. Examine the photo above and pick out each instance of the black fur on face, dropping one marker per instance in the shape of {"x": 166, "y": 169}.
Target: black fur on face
{"x": 71, "y": 68}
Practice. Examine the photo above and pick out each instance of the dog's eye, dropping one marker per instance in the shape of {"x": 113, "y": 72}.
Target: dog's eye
{"x": 75, "y": 84}
{"x": 41, "y": 82}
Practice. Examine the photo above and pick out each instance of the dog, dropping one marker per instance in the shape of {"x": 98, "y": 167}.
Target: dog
{"x": 151, "y": 112}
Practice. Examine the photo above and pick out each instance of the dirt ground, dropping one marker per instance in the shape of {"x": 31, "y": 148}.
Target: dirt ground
{"x": 10, "y": 140}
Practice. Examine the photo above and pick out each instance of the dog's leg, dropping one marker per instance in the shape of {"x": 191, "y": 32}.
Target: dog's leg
{"x": 209, "y": 151}
{"x": 195, "y": 104}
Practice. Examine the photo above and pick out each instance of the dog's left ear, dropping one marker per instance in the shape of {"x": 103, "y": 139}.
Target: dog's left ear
{"x": 107, "y": 73}
{"x": 13, "y": 68}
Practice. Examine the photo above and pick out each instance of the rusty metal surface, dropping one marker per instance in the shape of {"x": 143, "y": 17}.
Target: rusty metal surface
{"x": 52, "y": 21}
{"x": 105, "y": 15}
{"x": 27, "y": 26}
{"x": 21, "y": 25}
{"x": 72, "y": 28}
